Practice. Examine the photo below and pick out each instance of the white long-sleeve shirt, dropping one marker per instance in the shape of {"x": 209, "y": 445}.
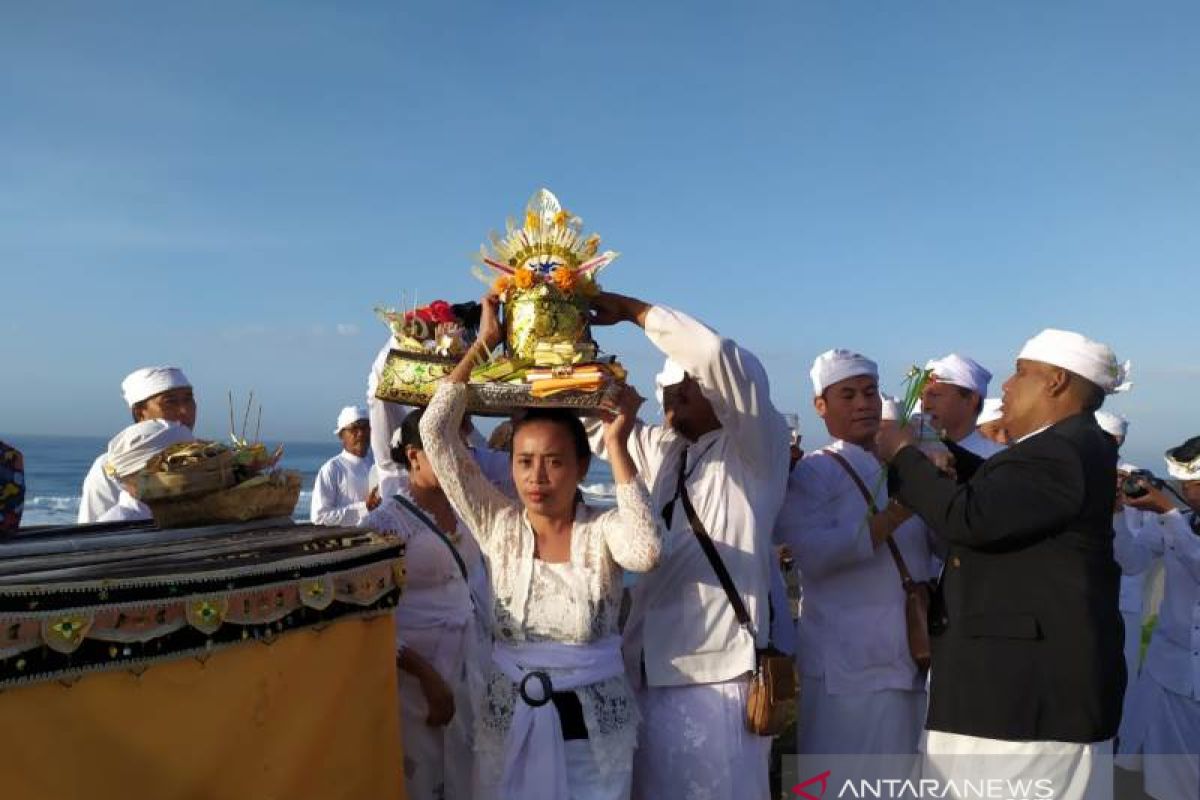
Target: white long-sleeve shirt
{"x": 1173, "y": 658}
{"x": 680, "y": 622}
{"x": 385, "y": 418}
{"x": 127, "y": 509}
{"x": 852, "y": 630}
{"x": 99, "y": 492}
{"x": 340, "y": 492}
{"x": 1133, "y": 578}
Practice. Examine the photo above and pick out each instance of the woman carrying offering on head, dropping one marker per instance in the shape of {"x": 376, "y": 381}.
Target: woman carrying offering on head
{"x": 440, "y": 644}
{"x": 558, "y": 719}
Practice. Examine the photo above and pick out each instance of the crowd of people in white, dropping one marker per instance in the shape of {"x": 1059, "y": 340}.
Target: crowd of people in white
{"x": 525, "y": 672}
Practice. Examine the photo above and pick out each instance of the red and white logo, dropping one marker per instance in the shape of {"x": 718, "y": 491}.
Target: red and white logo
{"x": 807, "y": 788}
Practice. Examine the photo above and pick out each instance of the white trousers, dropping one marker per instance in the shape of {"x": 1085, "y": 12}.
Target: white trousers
{"x": 1073, "y": 771}
{"x": 694, "y": 744}
{"x": 885, "y": 722}
{"x": 1160, "y": 737}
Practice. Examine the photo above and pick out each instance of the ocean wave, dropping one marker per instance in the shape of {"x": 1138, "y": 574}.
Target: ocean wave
{"x": 64, "y": 509}
{"x": 53, "y": 502}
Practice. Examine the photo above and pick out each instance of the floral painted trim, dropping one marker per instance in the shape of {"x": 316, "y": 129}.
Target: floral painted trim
{"x": 68, "y": 633}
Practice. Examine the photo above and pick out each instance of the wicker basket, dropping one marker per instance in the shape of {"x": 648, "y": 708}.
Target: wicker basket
{"x": 212, "y": 474}
{"x": 411, "y": 378}
{"x": 262, "y": 497}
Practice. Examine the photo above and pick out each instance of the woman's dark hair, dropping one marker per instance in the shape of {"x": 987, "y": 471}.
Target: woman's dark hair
{"x": 410, "y": 436}
{"x": 564, "y": 419}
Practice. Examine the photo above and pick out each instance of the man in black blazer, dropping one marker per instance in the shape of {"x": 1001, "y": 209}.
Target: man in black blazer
{"x": 1030, "y": 656}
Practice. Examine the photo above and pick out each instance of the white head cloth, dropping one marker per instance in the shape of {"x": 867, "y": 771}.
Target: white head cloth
{"x": 131, "y": 449}
{"x": 1127, "y": 468}
{"x": 670, "y": 375}
{"x": 891, "y": 409}
{"x": 1091, "y": 360}
{"x": 961, "y": 371}
{"x": 1112, "y": 424}
{"x": 990, "y": 412}
{"x": 834, "y": 366}
{"x": 348, "y": 416}
{"x": 144, "y": 383}
{"x": 1182, "y": 470}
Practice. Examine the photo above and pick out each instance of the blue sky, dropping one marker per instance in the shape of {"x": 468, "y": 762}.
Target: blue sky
{"x": 232, "y": 186}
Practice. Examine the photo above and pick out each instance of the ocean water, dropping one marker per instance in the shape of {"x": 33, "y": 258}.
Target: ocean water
{"x": 56, "y": 465}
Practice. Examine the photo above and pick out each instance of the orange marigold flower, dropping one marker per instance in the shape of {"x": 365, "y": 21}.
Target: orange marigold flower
{"x": 564, "y": 279}
{"x": 523, "y": 278}
{"x": 501, "y": 285}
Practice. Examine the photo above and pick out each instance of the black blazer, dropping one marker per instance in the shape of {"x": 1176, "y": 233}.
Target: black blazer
{"x": 1032, "y": 650}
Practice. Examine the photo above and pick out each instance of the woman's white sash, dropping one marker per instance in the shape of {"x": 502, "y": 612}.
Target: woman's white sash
{"x": 534, "y": 759}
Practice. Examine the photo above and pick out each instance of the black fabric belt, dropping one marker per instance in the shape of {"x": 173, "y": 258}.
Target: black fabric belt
{"x": 570, "y": 715}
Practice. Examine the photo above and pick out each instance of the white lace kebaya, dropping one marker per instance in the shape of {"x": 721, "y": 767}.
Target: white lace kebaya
{"x": 538, "y": 602}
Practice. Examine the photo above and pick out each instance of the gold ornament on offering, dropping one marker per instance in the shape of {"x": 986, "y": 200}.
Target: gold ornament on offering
{"x": 546, "y": 273}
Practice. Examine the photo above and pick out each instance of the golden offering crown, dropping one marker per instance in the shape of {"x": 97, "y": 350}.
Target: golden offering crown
{"x": 549, "y": 248}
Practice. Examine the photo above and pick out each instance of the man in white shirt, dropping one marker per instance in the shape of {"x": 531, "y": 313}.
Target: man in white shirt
{"x": 128, "y": 454}
{"x": 1160, "y": 732}
{"x": 727, "y": 445}
{"x": 953, "y": 399}
{"x": 862, "y": 693}
{"x": 150, "y": 393}
{"x": 341, "y": 494}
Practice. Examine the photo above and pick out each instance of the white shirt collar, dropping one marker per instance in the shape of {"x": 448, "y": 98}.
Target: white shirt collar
{"x": 851, "y": 447}
{"x": 1031, "y": 435}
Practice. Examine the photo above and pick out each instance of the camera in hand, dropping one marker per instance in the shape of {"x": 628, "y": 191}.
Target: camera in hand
{"x": 1136, "y": 482}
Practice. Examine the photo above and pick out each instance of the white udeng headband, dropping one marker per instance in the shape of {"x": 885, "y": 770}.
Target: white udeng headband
{"x": 1086, "y": 358}
{"x": 1184, "y": 472}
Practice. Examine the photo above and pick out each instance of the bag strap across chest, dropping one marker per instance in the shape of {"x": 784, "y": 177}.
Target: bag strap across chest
{"x": 429, "y": 523}
{"x": 905, "y": 576}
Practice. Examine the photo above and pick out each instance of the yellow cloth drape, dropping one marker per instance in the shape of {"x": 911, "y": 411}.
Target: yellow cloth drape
{"x": 311, "y": 716}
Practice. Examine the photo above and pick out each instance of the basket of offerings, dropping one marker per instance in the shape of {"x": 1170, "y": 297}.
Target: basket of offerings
{"x": 505, "y": 385}
{"x": 208, "y": 483}
{"x": 187, "y": 469}
{"x": 261, "y": 497}
{"x": 544, "y": 271}
{"x": 431, "y": 341}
